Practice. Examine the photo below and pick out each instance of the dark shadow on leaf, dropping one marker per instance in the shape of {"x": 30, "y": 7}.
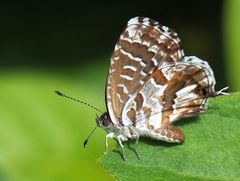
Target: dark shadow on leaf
{"x": 187, "y": 121}
{"x": 154, "y": 142}
{"x": 150, "y": 141}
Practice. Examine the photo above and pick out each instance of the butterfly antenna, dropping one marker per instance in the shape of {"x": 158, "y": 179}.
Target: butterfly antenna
{"x": 86, "y": 141}
{"x": 80, "y": 101}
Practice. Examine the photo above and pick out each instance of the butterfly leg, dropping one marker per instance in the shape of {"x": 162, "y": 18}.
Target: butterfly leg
{"x": 120, "y": 139}
{"x": 135, "y": 135}
{"x": 170, "y": 133}
{"x": 110, "y": 135}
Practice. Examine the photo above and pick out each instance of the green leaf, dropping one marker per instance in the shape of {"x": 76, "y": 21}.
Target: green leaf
{"x": 211, "y": 150}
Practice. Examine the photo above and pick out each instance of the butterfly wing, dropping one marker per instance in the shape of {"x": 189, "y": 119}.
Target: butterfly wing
{"x": 142, "y": 47}
{"x": 173, "y": 91}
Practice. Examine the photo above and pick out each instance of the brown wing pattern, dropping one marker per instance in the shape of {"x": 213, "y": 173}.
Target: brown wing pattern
{"x": 174, "y": 91}
{"x": 188, "y": 89}
{"x": 142, "y": 47}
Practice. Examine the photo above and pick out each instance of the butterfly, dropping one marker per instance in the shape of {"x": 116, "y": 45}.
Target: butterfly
{"x": 152, "y": 84}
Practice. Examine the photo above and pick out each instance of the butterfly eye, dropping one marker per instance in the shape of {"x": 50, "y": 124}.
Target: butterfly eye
{"x": 105, "y": 121}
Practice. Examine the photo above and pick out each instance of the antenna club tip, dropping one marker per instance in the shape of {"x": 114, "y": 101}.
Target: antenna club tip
{"x": 58, "y": 93}
{"x": 85, "y": 143}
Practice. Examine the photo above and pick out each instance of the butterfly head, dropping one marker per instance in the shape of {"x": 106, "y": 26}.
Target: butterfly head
{"x": 104, "y": 121}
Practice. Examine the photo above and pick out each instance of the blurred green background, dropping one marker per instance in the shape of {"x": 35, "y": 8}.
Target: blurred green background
{"x": 67, "y": 45}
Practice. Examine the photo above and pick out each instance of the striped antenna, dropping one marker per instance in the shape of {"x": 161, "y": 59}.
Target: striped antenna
{"x": 86, "y": 141}
{"x": 79, "y": 101}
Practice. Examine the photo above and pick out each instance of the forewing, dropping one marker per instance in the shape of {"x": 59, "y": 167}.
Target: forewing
{"x": 142, "y": 47}
{"x": 173, "y": 91}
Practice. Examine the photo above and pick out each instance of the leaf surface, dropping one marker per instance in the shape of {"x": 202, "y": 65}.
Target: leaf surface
{"x": 210, "y": 152}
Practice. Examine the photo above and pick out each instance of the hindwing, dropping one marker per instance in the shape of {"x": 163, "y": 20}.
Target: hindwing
{"x": 173, "y": 91}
